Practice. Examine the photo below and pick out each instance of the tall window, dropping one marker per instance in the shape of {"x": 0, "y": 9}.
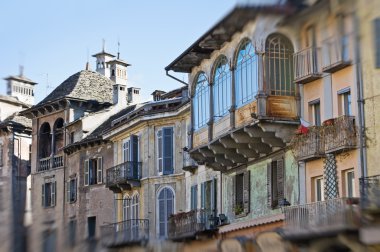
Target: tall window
{"x": 131, "y": 155}
{"x": 315, "y": 112}
{"x": 48, "y": 193}
{"x": 222, "y": 88}
{"x": 165, "y": 209}
{"x": 194, "y": 197}
{"x": 319, "y": 194}
{"x": 201, "y": 102}
{"x": 242, "y": 192}
{"x": 93, "y": 171}
{"x": 44, "y": 143}
{"x": 126, "y": 208}
{"x": 71, "y": 187}
{"x": 349, "y": 180}
{"x": 246, "y": 74}
{"x": 131, "y": 207}
{"x": 376, "y": 34}
{"x": 165, "y": 150}
{"x": 279, "y": 65}
{"x": 344, "y": 97}
{"x": 58, "y": 135}
{"x": 275, "y": 182}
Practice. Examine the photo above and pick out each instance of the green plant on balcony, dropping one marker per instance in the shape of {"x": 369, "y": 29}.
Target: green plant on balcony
{"x": 238, "y": 209}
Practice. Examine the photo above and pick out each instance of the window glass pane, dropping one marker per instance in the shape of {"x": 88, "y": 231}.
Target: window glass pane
{"x": 201, "y": 102}
{"x": 222, "y": 88}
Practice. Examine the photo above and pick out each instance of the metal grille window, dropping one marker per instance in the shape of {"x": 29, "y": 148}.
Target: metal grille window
{"x": 201, "y": 102}
{"x": 246, "y": 74}
{"x": 222, "y": 88}
{"x": 279, "y": 65}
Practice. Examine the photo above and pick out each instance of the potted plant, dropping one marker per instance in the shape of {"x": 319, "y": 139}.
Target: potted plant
{"x": 238, "y": 209}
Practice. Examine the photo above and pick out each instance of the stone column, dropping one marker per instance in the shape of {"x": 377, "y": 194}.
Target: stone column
{"x": 211, "y": 121}
{"x": 262, "y": 95}
{"x": 233, "y": 98}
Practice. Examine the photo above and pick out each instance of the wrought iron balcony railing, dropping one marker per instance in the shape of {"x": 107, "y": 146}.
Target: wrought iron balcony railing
{"x": 307, "y": 65}
{"x": 322, "y": 217}
{"x": 122, "y": 173}
{"x": 370, "y": 193}
{"x": 310, "y": 145}
{"x": 341, "y": 134}
{"x": 337, "y": 53}
{"x": 132, "y": 231}
{"x": 189, "y": 224}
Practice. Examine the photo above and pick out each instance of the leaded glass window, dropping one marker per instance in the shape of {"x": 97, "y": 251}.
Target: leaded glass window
{"x": 246, "y": 74}
{"x": 201, "y": 102}
{"x": 222, "y": 88}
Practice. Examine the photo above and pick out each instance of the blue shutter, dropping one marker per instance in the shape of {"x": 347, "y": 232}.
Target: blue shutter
{"x": 168, "y": 151}
{"x": 377, "y": 41}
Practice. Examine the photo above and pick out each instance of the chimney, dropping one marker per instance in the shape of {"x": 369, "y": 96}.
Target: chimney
{"x": 134, "y": 95}
{"x": 157, "y": 95}
{"x": 119, "y": 95}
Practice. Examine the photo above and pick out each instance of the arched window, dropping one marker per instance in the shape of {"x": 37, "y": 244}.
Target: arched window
{"x": 222, "y": 88}
{"x": 165, "y": 209}
{"x": 126, "y": 208}
{"x": 279, "y": 65}
{"x": 58, "y": 135}
{"x": 44, "y": 143}
{"x": 245, "y": 74}
{"x": 201, "y": 102}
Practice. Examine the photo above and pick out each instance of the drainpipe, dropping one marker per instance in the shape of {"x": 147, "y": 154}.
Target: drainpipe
{"x": 175, "y": 78}
{"x": 359, "y": 84}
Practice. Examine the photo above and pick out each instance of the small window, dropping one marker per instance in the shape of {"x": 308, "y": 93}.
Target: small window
{"x": 315, "y": 112}
{"x": 71, "y": 187}
{"x": 91, "y": 222}
{"x": 344, "y": 103}
{"x": 275, "y": 183}
{"x": 319, "y": 194}
{"x": 48, "y": 194}
{"x": 165, "y": 150}
{"x": 93, "y": 171}
{"x": 349, "y": 180}
{"x": 72, "y": 139}
{"x": 242, "y": 199}
{"x": 113, "y": 72}
{"x": 194, "y": 197}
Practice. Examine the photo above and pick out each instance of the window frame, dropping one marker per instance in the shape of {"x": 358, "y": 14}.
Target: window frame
{"x": 161, "y": 151}
{"x": 318, "y": 180}
{"x": 347, "y": 181}
{"x": 45, "y": 202}
{"x": 201, "y": 101}
{"x": 221, "y": 86}
{"x": 345, "y": 102}
{"x": 98, "y": 171}
{"x": 71, "y": 197}
{"x": 276, "y": 180}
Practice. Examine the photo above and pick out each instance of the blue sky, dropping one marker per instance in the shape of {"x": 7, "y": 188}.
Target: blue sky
{"x": 53, "y": 38}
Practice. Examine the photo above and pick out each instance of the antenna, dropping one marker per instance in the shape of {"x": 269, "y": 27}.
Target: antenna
{"x": 118, "y": 49}
{"x": 47, "y": 84}
{"x": 104, "y": 44}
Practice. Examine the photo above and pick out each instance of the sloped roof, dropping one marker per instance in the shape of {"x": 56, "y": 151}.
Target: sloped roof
{"x": 21, "y": 78}
{"x": 84, "y": 85}
{"x": 13, "y": 100}
{"x": 16, "y": 120}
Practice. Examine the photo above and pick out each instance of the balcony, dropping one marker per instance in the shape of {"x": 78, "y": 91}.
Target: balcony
{"x": 309, "y": 146}
{"x": 307, "y": 65}
{"x": 190, "y": 224}
{"x": 129, "y": 232}
{"x": 124, "y": 176}
{"x": 47, "y": 163}
{"x": 321, "y": 218}
{"x": 337, "y": 53}
{"x": 341, "y": 135}
{"x": 188, "y": 163}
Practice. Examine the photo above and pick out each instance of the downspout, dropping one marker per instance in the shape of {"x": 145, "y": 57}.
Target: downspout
{"x": 359, "y": 84}
{"x": 175, "y": 78}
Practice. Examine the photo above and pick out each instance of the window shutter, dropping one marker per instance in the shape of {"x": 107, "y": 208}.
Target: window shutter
{"x": 86, "y": 173}
{"x": 246, "y": 191}
{"x": 68, "y": 192}
{"x": 234, "y": 192}
{"x": 53, "y": 189}
{"x": 1, "y": 155}
{"x": 213, "y": 195}
{"x": 160, "y": 150}
{"x": 269, "y": 185}
{"x": 135, "y": 155}
{"x": 280, "y": 180}
{"x": 43, "y": 195}
{"x": 203, "y": 198}
{"x": 377, "y": 41}
{"x": 75, "y": 189}
{"x": 167, "y": 151}
{"x": 99, "y": 176}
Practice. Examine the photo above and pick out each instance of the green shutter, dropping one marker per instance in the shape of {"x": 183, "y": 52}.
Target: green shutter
{"x": 86, "y": 172}
{"x": 99, "y": 176}
{"x": 269, "y": 185}
{"x": 246, "y": 191}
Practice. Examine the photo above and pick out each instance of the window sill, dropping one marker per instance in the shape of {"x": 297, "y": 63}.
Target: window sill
{"x": 47, "y": 207}
{"x": 240, "y": 215}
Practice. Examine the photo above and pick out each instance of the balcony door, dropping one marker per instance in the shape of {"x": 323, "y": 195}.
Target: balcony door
{"x": 131, "y": 156}
{"x": 165, "y": 206}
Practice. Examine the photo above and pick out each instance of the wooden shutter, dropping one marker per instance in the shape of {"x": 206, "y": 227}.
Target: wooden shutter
{"x": 213, "y": 195}
{"x": 234, "y": 192}
{"x": 246, "y": 191}
{"x": 99, "y": 176}
{"x": 75, "y": 189}
{"x": 159, "y": 150}
{"x": 43, "y": 195}
{"x": 53, "y": 190}
{"x": 269, "y": 185}
{"x": 280, "y": 180}
{"x": 377, "y": 41}
{"x": 167, "y": 151}
{"x": 86, "y": 172}
{"x": 135, "y": 155}
{"x": 68, "y": 191}
{"x": 203, "y": 198}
